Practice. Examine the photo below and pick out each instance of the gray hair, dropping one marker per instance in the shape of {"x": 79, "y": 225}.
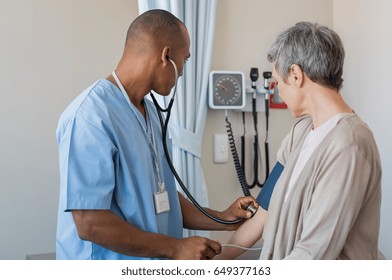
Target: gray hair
{"x": 317, "y": 49}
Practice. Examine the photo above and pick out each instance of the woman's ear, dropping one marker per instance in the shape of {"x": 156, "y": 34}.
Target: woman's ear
{"x": 296, "y": 75}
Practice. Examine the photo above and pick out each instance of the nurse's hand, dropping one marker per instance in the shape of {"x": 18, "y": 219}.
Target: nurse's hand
{"x": 196, "y": 248}
{"x": 239, "y": 210}
{"x": 194, "y": 219}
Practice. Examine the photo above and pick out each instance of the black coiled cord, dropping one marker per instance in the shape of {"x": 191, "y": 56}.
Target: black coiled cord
{"x": 237, "y": 164}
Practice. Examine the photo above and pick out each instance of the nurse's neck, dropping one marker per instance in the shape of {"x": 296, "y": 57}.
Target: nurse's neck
{"x": 134, "y": 95}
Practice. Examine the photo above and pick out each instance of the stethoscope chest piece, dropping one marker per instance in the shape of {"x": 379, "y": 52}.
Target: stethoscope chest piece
{"x": 252, "y": 209}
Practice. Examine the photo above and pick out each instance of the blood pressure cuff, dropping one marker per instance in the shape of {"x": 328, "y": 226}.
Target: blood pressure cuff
{"x": 264, "y": 197}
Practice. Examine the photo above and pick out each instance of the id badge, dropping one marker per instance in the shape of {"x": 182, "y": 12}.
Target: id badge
{"x": 161, "y": 200}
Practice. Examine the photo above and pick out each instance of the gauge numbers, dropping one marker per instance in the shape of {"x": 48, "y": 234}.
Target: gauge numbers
{"x": 226, "y": 90}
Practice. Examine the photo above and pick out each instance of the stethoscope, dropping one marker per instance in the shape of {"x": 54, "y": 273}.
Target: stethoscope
{"x": 164, "y": 125}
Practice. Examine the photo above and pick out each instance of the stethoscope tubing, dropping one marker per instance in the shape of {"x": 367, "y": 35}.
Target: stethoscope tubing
{"x": 164, "y": 126}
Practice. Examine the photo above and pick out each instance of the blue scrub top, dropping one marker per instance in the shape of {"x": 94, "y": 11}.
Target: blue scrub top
{"x": 107, "y": 163}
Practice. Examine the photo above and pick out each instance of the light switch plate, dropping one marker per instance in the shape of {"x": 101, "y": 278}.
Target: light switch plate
{"x": 220, "y": 148}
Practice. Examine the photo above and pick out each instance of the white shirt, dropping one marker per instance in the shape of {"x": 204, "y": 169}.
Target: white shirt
{"x": 312, "y": 141}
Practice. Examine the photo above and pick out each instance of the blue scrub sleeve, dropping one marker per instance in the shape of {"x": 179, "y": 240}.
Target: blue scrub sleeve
{"x": 89, "y": 168}
{"x": 265, "y": 194}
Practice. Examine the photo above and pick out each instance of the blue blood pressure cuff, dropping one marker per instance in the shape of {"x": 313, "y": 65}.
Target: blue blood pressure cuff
{"x": 264, "y": 197}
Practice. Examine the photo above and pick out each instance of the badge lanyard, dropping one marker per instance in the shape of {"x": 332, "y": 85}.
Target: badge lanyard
{"x": 161, "y": 198}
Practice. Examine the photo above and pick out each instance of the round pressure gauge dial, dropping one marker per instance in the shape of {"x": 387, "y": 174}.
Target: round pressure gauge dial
{"x": 227, "y": 90}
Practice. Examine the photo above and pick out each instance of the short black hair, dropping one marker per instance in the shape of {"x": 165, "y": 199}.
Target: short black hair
{"x": 160, "y": 25}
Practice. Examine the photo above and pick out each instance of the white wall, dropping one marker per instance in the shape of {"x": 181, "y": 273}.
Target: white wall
{"x": 50, "y": 50}
{"x": 244, "y": 32}
{"x": 366, "y": 30}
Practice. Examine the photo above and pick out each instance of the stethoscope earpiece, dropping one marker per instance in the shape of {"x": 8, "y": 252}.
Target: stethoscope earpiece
{"x": 175, "y": 67}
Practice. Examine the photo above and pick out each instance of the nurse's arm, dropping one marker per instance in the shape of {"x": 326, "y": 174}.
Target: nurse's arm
{"x": 194, "y": 219}
{"x": 105, "y": 228}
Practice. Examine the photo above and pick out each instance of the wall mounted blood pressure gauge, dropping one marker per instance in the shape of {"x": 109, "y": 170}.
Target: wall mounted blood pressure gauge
{"x": 227, "y": 90}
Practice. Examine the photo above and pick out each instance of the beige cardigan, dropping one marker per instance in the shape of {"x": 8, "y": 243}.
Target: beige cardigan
{"x": 333, "y": 210}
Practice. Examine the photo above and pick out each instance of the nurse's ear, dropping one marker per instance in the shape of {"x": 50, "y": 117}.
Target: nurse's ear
{"x": 165, "y": 55}
{"x": 296, "y": 76}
